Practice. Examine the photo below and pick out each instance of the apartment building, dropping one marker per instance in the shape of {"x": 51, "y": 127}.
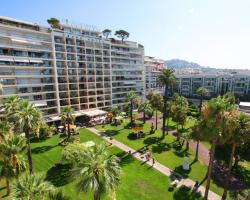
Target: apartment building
{"x": 187, "y": 85}
{"x": 153, "y": 68}
{"x": 72, "y": 66}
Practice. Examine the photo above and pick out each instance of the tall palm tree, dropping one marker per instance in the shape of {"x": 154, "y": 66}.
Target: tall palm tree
{"x": 202, "y": 92}
{"x": 97, "y": 171}
{"x": 145, "y": 107}
{"x": 240, "y": 128}
{"x": 12, "y": 159}
{"x": 28, "y": 116}
{"x": 197, "y": 136}
{"x": 67, "y": 117}
{"x": 212, "y": 127}
{"x": 166, "y": 79}
{"x": 132, "y": 98}
{"x": 32, "y": 188}
{"x": 156, "y": 101}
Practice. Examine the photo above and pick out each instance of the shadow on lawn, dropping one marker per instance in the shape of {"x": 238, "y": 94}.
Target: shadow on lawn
{"x": 125, "y": 158}
{"x": 161, "y": 147}
{"x": 186, "y": 193}
{"x": 59, "y": 174}
{"x": 42, "y": 149}
{"x": 111, "y": 132}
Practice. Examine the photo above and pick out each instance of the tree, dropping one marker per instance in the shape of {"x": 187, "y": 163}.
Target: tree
{"x": 28, "y": 116}
{"x": 1, "y": 92}
{"x": 166, "y": 79}
{"x": 202, "y": 91}
{"x": 12, "y": 160}
{"x": 212, "y": 126}
{"x": 67, "y": 117}
{"x": 240, "y": 129}
{"x": 132, "y": 98}
{"x": 179, "y": 109}
{"x": 53, "y": 22}
{"x": 197, "y": 136}
{"x": 115, "y": 112}
{"x": 106, "y": 33}
{"x": 145, "y": 107}
{"x": 5, "y": 129}
{"x": 186, "y": 136}
{"x": 32, "y": 188}
{"x": 122, "y": 34}
{"x": 96, "y": 170}
{"x": 156, "y": 103}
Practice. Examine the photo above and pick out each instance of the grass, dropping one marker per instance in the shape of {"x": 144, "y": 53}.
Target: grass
{"x": 166, "y": 151}
{"x": 138, "y": 181}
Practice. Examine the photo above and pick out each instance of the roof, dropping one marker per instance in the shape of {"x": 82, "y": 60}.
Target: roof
{"x": 93, "y": 113}
{"x": 18, "y": 21}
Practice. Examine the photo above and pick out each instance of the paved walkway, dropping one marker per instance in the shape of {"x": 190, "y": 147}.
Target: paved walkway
{"x": 168, "y": 172}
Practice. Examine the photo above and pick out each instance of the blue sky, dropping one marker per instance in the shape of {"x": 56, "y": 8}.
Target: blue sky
{"x": 210, "y": 32}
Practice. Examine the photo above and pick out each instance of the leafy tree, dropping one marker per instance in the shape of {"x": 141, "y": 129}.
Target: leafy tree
{"x": 67, "y": 117}
{"x": 156, "y": 102}
{"x": 132, "y": 98}
{"x": 240, "y": 133}
{"x": 32, "y": 188}
{"x": 145, "y": 107}
{"x": 106, "y": 33}
{"x": 45, "y": 130}
{"x": 28, "y": 116}
{"x": 213, "y": 125}
{"x": 166, "y": 79}
{"x": 53, "y": 22}
{"x": 5, "y": 129}
{"x": 197, "y": 136}
{"x": 122, "y": 34}
{"x": 115, "y": 112}
{"x": 11, "y": 105}
{"x": 187, "y": 136}
{"x": 96, "y": 170}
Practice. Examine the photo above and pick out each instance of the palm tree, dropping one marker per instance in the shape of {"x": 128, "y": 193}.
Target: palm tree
{"x": 202, "y": 91}
{"x": 145, "y": 107}
{"x": 96, "y": 170}
{"x": 156, "y": 103}
{"x": 5, "y": 129}
{"x": 166, "y": 79}
{"x": 212, "y": 127}
{"x": 197, "y": 136}
{"x": 67, "y": 117}
{"x": 32, "y": 188}
{"x": 28, "y": 116}
{"x": 239, "y": 126}
{"x": 1, "y": 92}
{"x": 132, "y": 98}
{"x": 12, "y": 162}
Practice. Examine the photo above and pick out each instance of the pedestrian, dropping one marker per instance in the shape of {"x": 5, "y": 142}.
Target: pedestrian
{"x": 153, "y": 161}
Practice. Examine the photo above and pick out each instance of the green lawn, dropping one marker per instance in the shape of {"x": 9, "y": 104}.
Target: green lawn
{"x": 166, "y": 151}
{"x": 138, "y": 181}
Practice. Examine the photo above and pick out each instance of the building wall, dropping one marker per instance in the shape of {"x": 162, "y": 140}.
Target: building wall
{"x": 216, "y": 85}
{"x": 73, "y": 66}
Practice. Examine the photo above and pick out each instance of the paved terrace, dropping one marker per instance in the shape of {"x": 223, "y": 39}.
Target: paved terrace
{"x": 168, "y": 172}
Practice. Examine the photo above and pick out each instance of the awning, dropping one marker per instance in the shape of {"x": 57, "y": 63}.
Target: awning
{"x": 40, "y": 104}
{"x": 36, "y": 61}
{"x": 245, "y": 104}
{"x": 6, "y": 59}
{"x": 21, "y": 60}
{"x": 94, "y": 113}
{"x": 55, "y": 118}
{"x": 78, "y": 113}
{"x": 20, "y": 40}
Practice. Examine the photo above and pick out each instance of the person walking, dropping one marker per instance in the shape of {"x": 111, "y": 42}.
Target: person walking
{"x": 153, "y": 161}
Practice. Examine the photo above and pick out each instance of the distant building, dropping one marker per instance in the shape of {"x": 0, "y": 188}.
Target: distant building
{"x": 153, "y": 68}
{"x": 187, "y": 85}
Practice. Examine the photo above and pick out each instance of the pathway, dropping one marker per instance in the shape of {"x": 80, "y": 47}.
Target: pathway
{"x": 166, "y": 171}
{"x": 203, "y": 151}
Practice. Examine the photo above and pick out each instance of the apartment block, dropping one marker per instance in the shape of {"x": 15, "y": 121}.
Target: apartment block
{"x": 153, "y": 68}
{"x": 71, "y": 65}
{"x": 187, "y": 85}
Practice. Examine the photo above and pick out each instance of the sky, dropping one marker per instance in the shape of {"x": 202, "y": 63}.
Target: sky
{"x": 213, "y": 33}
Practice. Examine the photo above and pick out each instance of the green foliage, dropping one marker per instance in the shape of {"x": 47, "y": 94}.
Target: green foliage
{"x": 54, "y": 22}
{"x": 106, "y": 33}
{"x": 122, "y": 34}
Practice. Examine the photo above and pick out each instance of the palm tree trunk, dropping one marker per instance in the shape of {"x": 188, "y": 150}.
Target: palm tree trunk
{"x": 144, "y": 117}
{"x": 164, "y": 112}
{"x": 96, "y": 195}
{"x": 210, "y": 168}
{"x": 68, "y": 130}
{"x": 8, "y": 186}
{"x": 197, "y": 150}
{"x": 131, "y": 113}
{"x": 224, "y": 196}
{"x": 29, "y": 153}
{"x": 187, "y": 145}
{"x": 156, "y": 120}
